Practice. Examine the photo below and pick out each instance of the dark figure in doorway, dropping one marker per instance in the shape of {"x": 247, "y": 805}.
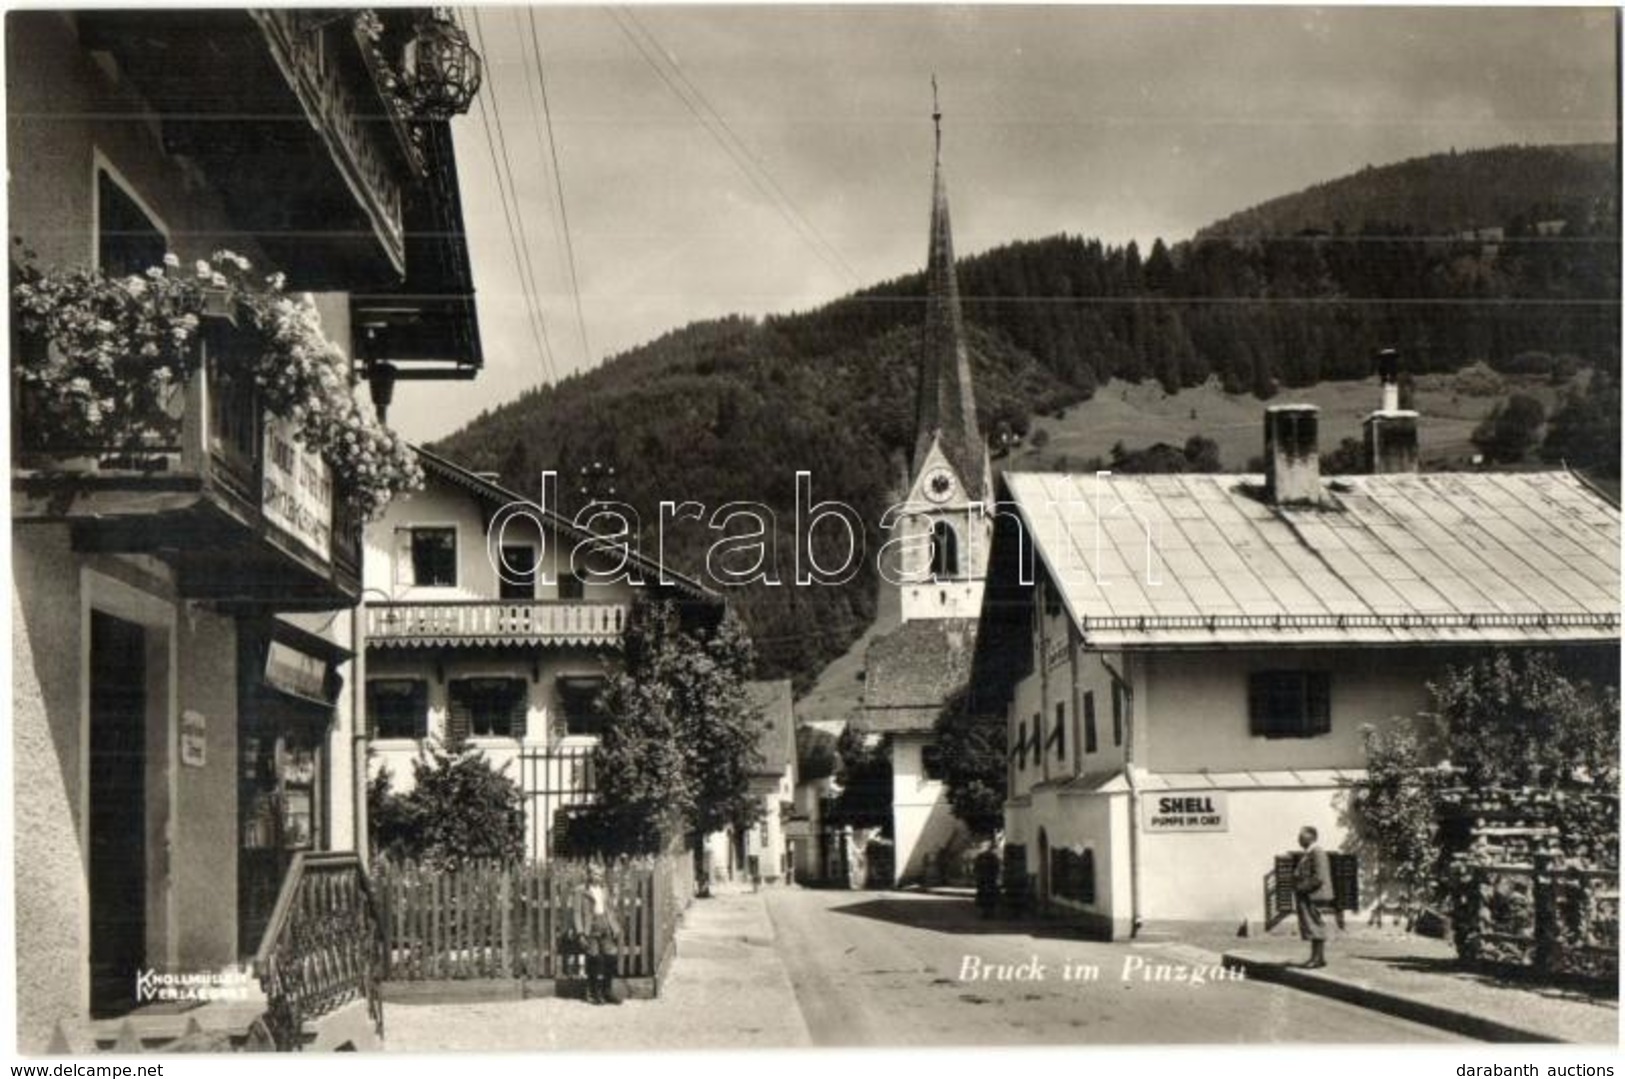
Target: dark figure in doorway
{"x": 597, "y": 931}
{"x": 1312, "y": 885}
{"x": 987, "y": 880}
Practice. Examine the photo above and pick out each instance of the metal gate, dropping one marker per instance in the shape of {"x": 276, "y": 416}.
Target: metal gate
{"x": 552, "y": 780}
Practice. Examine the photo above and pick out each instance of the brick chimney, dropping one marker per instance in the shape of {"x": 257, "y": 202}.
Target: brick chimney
{"x": 1390, "y": 432}
{"x": 1292, "y": 453}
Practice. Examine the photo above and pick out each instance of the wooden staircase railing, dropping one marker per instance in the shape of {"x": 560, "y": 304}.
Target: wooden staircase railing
{"x": 322, "y": 947}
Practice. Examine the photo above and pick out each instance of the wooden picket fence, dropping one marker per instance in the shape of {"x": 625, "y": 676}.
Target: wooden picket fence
{"x": 491, "y": 920}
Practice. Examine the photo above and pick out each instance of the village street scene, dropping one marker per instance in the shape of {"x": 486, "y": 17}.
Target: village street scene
{"x": 538, "y": 529}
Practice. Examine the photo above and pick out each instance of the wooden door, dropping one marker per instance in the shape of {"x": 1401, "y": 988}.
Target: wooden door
{"x": 117, "y": 818}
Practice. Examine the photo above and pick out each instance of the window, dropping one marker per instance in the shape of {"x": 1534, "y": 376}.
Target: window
{"x": 1090, "y": 742}
{"x": 571, "y": 586}
{"x": 485, "y": 708}
{"x": 127, "y": 239}
{"x": 1290, "y": 704}
{"x": 434, "y": 556}
{"x": 578, "y": 701}
{"x": 931, "y": 761}
{"x": 1038, "y": 739}
{"x": 1119, "y": 701}
{"x": 517, "y": 576}
{"x": 398, "y": 707}
{"x": 1060, "y": 732}
{"x": 944, "y": 551}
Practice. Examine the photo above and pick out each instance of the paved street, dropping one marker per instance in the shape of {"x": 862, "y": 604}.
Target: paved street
{"x": 872, "y": 968}
{"x": 793, "y": 967}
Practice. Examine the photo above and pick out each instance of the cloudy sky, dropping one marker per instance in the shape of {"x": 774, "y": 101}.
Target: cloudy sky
{"x": 764, "y": 159}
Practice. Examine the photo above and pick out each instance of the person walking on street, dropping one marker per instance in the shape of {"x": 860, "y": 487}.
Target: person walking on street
{"x": 597, "y": 928}
{"x": 987, "y": 880}
{"x": 1312, "y": 885}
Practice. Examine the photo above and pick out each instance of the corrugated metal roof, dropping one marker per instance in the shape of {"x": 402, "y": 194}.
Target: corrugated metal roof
{"x": 1179, "y": 560}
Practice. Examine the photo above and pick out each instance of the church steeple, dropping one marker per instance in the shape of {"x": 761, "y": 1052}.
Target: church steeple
{"x": 946, "y": 411}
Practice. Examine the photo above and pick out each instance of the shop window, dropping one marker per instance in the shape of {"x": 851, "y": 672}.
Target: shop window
{"x": 485, "y": 708}
{"x": 427, "y": 557}
{"x": 579, "y": 701}
{"x": 398, "y": 707}
{"x": 1090, "y": 740}
{"x": 128, "y": 241}
{"x": 516, "y": 577}
{"x": 1072, "y": 874}
{"x": 1290, "y": 704}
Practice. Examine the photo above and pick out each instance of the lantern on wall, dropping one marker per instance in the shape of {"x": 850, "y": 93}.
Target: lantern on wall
{"x": 440, "y": 71}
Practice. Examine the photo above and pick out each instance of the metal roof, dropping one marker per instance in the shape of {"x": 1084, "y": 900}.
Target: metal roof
{"x": 1185, "y": 560}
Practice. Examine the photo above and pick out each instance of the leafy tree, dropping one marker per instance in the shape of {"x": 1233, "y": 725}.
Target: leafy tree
{"x": 815, "y": 754}
{"x": 1511, "y": 429}
{"x": 864, "y": 774}
{"x": 1585, "y": 431}
{"x": 973, "y": 751}
{"x": 460, "y": 809}
{"x": 676, "y": 757}
{"x": 1348, "y": 459}
{"x": 1202, "y": 455}
{"x": 1396, "y": 813}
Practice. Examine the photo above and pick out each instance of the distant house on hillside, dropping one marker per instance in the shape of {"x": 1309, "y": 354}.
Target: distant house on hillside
{"x": 1186, "y": 668}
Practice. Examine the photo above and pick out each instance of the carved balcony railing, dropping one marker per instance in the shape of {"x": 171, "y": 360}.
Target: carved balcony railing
{"x": 323, "y": 946}
{"x": 208, "y": 479}
{"x": 476, "y": 622}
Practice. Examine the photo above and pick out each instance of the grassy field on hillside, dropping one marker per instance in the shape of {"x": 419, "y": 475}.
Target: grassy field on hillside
{"x": 1140, "y": 415}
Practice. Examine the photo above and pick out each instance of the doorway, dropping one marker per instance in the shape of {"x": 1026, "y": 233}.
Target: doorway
{"x": 117, "y": 824}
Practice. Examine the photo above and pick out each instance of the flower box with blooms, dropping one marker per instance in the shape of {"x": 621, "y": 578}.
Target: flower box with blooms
{"x": 105, "y": 360}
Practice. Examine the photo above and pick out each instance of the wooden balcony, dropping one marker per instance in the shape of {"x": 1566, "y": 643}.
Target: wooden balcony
{"x": 474, "y": 623}
{"x": 214, "y": 485}
{"x": 287, "y": 114}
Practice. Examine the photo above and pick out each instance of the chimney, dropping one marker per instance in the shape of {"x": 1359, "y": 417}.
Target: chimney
{"x": 1390, "y": 432}
{"x": 1292, "y": 453}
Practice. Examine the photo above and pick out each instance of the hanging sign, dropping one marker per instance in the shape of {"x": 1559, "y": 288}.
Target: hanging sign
{"x": 1187, "y": 811}
{"x": 292, "y": 671}
{"x": 194, "y": 739}
{"x": 298, "y": 492}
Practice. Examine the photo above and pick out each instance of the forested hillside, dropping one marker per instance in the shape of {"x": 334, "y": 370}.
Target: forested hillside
{"x": 1272, "y": 298}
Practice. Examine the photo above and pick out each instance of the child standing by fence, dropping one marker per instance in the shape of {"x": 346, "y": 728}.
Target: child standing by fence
{"x": 597, "y": 931}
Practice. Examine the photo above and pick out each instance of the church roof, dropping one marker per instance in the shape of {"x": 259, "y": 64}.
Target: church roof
{"x": 914, "y": 670}
{"x": 946, "y": 409}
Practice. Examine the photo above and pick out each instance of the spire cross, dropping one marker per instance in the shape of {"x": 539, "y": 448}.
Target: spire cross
{"x": 936, "y": 113}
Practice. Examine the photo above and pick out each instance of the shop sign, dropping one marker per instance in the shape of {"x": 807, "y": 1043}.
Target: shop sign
{"x": 292, "y": 671}
{"x": 298, "y": 492}
{"x": 1187, "y": 811}
{"x": 194, "y": 739}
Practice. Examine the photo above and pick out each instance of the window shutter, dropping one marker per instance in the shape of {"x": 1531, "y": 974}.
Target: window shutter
{"x": 1090, "y": 740}
{"x": 517, "y": 712}
{"x": 1060, "y": 732}
{"x": 1118, "y": 708}
{"x": 403, "y": 557}
{"x": 459, "y": 716}
{"x": 1317, "y": 692}
{"x": 1258, "y": 703}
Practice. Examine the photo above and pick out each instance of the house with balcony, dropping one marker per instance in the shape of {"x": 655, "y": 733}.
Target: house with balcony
{"x": 1184, "y": 663}
{"x": 226, "y": 222}
{"x": 491, "y": 621}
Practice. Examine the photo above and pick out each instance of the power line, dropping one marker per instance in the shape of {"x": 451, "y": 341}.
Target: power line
{"x": 519, "y": 236}
{"x": 735, "y": 149}
{"x": 558, "y": 182}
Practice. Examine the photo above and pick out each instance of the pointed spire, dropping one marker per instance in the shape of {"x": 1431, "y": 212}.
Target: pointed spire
{"x": 946, "y": 411}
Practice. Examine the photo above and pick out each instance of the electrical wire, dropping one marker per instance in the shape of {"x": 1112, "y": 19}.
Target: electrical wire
{"x": 518, "y": 236}
{"x": 735, "y": 149}
{"x": 558, "y": 184}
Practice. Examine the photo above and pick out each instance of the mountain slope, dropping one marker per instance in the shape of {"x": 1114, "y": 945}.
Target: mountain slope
{"x": 727, "y": 410}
